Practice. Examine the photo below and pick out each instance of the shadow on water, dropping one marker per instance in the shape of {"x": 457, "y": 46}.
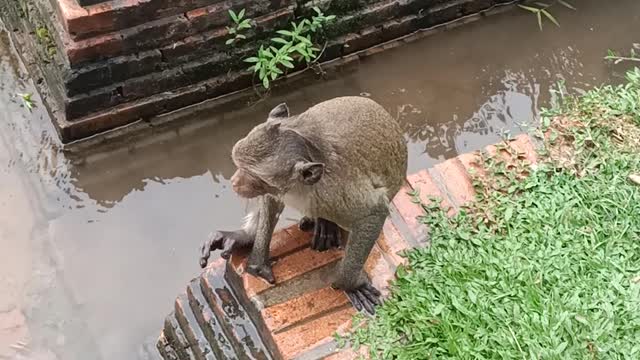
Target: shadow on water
{"x": 93, "y": 255}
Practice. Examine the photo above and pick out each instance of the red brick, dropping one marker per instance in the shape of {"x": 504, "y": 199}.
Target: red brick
{"x": 392, "y": 243}
{"x": 82, "y": 22}
{"x": 456, "y": 180}
{"x": 308, "y": 306}
{"x": 523, "y": 144}
{"x": 426, "y": 186}
{"x": 95, "y": 48}
{"x": 287, "y": 268}
{"x": 13, "y": 329}
{"x": 308, "y": 335}
{"x": 472, "y": 163}
{"x": 283, "y": 242}
{"x": 409, "y": 210}
{"x": 379, "y": 270}
{"x": 197, "y": 12}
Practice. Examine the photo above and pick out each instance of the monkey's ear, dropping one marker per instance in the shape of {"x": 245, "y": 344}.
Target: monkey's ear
{"x": 310, "y": 172}
{"x": 280, "y": 111}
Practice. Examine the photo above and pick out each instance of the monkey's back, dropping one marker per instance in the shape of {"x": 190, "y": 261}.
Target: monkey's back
{"x": 360, "y": 132}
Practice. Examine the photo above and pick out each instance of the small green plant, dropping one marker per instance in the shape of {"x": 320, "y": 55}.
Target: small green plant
{"x": 27, "y": 100}
{"x": 542, "y": 10}
{"x": 617, "y": 58}
{"x": 293, "y": 45}
{"x": 240, "y": 23}
{"x": 42, "y": 33}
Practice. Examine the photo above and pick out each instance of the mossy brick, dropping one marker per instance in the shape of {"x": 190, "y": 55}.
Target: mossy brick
{"x": 126, "y": 113}
{"x": 213, "y": 41}
{"x": 109, "y": 71}
{"x": 364, "y": 39}
{"x": 160, "y": 32}
{"x": 475, "y": 6}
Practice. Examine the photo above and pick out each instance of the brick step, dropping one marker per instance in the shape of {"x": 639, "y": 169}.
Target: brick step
{"x": 209, "y": 322}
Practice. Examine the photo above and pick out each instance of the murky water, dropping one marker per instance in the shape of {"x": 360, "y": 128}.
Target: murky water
{"x": 93, "y": 256}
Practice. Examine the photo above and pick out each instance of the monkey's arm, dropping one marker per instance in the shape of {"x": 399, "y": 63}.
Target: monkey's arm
{"x": 351, "y": 277}
{"x": 259, "y": 264}
{"x": 229, "y": 240}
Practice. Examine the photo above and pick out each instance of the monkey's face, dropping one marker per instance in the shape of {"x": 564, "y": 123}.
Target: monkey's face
{"x": 248, "y": 185}
{"x": 272, "y": 161}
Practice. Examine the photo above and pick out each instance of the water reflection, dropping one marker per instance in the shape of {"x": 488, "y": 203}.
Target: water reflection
{"x": 96, "y": 253}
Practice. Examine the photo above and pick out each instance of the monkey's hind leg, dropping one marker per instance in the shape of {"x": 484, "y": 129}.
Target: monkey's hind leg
{"x": 351, "y": 277}
{"x": 326, "y": 234}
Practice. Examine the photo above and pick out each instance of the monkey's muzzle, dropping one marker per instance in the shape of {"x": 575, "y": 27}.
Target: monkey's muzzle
{"x": 248, "y": 185}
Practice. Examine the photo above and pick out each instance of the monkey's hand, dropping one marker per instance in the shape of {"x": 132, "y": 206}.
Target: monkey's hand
{"x": 326, "y": 234}
{"x": 365, "y": 296}
{"x": 225, "y": 241}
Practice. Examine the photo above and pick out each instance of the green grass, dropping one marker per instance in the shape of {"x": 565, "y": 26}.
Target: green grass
{"x": 551, "y": 271}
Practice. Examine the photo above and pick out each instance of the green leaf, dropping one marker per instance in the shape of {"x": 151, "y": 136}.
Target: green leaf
{"x": 566, "y": 4}
{"x": 508, "y": 214}
{"x": 233, "y": 15}
{"x": 252, "y": 59}
{"x": 529, "y": 8}
{"x": 229, "y": 42}
{"x": 550, "y": 17}
{"x": 265, "y": 82}
{"x": 279, "y": 40}
{"x": 285, "y": 32}
{"x": 274, "y": 75}
{"x": 241, "y": 14}
{"x": 287, "y": 64}
{"x": 240, "y": 36}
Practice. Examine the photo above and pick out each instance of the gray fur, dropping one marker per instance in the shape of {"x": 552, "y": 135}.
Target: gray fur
{"x": 342, "y": 160}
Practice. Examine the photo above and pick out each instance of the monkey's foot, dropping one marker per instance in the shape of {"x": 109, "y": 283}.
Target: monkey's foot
{"x": 222, "y": 240}
{"x": 365, "y": 297}
{"x": 326, "y": 234}
{"x": 262, "y": 271}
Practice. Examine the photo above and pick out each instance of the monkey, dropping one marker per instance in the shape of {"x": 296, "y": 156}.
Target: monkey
{"x": 339, "y": 163}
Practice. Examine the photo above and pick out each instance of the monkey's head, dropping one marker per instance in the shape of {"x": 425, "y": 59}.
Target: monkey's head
{"x": 272, "y": 159}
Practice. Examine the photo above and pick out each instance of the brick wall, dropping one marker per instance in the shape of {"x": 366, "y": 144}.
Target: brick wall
{"x": 115, "y": 62}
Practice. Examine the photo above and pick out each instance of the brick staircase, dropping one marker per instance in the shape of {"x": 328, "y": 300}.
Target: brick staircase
{"x": 227, "y": 313}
